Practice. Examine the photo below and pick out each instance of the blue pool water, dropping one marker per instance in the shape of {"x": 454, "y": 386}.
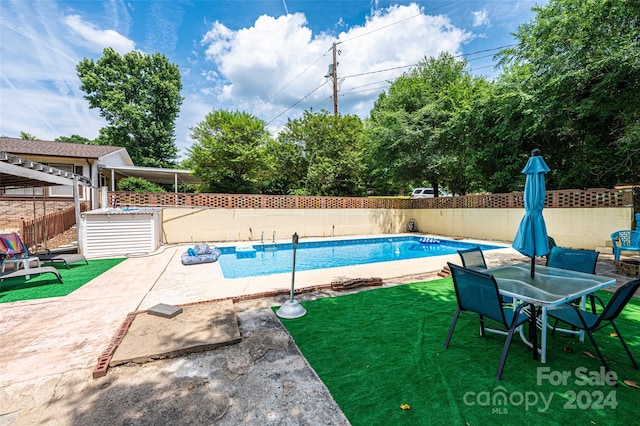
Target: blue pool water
{"x": 243, "y": 261}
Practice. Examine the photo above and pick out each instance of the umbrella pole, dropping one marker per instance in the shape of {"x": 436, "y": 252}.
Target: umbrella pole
{"x": 533, "y": 257}
{"x": 533, "y": 266}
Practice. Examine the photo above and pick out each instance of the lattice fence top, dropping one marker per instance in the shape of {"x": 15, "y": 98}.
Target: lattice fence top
{"x": 554, "y": 199}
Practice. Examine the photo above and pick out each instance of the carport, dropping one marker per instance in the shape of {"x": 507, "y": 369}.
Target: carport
{"x": 152, "y": 174}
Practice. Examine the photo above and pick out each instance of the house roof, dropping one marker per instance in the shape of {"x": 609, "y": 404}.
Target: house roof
{"x": 103, "y": 153}
{"x": 57, "y": 149}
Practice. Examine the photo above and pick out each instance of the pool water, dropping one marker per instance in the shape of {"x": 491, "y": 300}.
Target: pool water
{"x": 265, "y": 259}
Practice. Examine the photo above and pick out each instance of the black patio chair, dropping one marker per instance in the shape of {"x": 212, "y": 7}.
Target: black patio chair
{"x": 583, "y": 320}
{"x": 478, "y": 293}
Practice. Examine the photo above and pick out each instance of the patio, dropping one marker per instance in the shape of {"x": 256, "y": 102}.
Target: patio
{"x": 50, "y": 347}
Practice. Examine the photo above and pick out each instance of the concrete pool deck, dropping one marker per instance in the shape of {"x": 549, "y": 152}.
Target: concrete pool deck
{"x": 51, "y": 346}
{"x": 180, "y": 284}
{"x": 49, "y": 336}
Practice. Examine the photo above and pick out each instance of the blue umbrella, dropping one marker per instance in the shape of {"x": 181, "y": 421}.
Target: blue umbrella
{"x": 531, "y": 239}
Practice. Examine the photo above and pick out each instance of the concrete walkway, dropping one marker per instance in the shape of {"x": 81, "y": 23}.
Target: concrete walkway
{"x": 51, "y": 346}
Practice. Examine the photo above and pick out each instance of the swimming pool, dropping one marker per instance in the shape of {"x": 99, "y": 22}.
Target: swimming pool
{"x": 266, "y": 259}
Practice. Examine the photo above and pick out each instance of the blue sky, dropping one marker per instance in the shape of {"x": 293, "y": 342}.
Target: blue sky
{"x": 268, "y": 58}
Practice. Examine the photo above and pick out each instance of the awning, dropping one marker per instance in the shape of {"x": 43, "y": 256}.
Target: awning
{"x": 152, "y": 174}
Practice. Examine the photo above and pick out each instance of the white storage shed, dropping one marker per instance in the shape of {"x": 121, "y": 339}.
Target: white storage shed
{"x": 125, "y": 231}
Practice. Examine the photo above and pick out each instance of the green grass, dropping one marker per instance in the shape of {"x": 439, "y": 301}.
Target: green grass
{"x": 47, "y": 285}
{"x": 377, "y": 350}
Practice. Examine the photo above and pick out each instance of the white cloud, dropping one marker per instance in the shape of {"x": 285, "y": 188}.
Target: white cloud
{"x": 96, "y": 39}
{"x": 480, "y": 17}
{"x": 39, "y": 87}
{"x": 48, "y": 114}
{"x": 264, "y": 68}
{"x": 194, "y": 109}
{"x": 275, "y": 63}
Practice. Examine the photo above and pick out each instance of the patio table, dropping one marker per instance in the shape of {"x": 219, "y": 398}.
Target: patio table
{"x": 24, "y": 261}
{"x": 551, "y": 287}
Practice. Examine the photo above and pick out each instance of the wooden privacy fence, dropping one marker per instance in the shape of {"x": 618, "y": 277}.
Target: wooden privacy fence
{"x": 42, "y": 228}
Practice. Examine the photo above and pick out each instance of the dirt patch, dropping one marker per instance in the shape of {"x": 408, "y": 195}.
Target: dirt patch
{"x": 68, "y": 239}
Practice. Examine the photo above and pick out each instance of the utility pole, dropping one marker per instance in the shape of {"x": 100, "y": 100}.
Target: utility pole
{"x": 335, "y": 81}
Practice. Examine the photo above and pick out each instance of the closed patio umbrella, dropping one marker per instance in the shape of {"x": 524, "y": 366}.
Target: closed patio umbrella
{"x": 531, "y": 238}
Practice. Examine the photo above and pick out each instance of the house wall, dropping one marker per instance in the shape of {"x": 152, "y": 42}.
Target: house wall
{"x": 586, "y": 228}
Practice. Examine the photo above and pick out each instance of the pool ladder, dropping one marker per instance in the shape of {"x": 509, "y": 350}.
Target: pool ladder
{"x": 269, "y": 247}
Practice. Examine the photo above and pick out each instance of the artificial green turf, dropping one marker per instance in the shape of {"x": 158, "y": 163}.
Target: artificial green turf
{"x": 377, "y": 350}
{"x": 47, "y": 285}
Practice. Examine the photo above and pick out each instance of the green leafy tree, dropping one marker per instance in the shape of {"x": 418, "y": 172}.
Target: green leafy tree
{"x": 138, "y": 184}
{"x": 289, "y": 167}
{"x": 333, "y": 152}
{"x": 139, "y": 96}
{"x": 493, "y": 138}
{"x": 410, "y": 131}
{"x": 74, "y": 139}
{"x": 583, "y": 63}
{"x": 28, "y": 136}
{"x": 230, "y": 155}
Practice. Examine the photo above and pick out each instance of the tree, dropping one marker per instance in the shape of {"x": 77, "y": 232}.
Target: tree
{"x": 139, "y": 96}
{"x": 410, "y": 128}
{"x": 74, "y": 139}
{"x": 28, "y": 136}
{"x": 333, "y": 152}
{"x": 230, "y": 152}
{"x": 583, "y": 60}
{"x": 289, "y": 167}
{"x": 493, "y": 137}
{"x": 138, "y": 184}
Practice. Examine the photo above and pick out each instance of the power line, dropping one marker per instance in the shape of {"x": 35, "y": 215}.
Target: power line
{"x": 289, "y": 84}
{"x": 365, "y": 73}
{"x": 319, "y": 104}
{"x": 413, "y": 65}
{"x": 384, "y": 70}
{"x": 481, "y": 68}
{"x": 368, "y": 84}
{"x": 305, "y": 97}
{"x": 379, "y": 71}
{"x": 372, "y": 89}
{"x": 490, "y": 50}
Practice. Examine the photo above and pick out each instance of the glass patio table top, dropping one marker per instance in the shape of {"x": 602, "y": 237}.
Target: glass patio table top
{"x": 550, "y": 287}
